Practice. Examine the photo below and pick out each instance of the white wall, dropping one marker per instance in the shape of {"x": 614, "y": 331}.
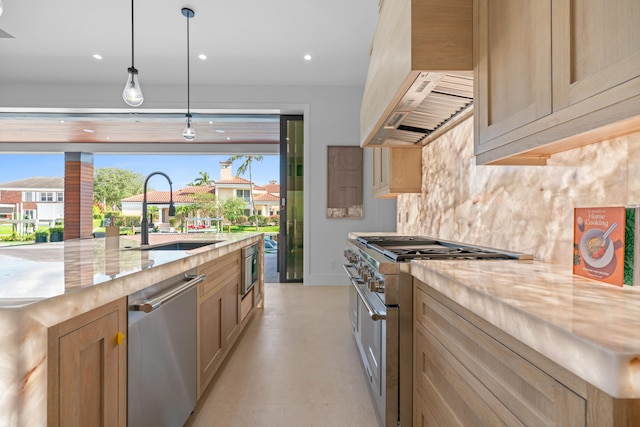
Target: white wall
{"x": 331, "y": 118}
{"x": 50, "y": 211}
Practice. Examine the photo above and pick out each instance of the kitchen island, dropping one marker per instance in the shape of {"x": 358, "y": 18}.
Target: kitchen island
{"x": 45, "y": 285}
{"x": 525, "y": 339}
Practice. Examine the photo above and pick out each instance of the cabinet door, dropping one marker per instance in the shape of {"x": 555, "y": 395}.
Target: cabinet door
{"x": 596, "y": 46}
{"x": 218, "y": 314}
{"x": 397, "y": 170}
{"x": 513, "y": 66}
{"x": 470, "y": 374}
{"x": 231, "y": 317}
{"x": 87, "y": 369}
{"x": 380, "y": 171}
{"x": 210, "y": 337}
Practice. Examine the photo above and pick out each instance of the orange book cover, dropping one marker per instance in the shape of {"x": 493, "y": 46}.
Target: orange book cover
{"x": 598, "y": 243}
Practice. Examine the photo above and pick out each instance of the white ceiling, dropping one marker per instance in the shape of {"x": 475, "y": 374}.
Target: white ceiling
{"x": 253, "y": 42}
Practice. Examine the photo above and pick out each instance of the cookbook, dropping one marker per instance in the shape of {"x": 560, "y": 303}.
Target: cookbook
{"x": 605, "y": 244}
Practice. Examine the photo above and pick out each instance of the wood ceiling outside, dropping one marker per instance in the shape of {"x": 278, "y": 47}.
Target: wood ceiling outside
{"x": 138, "y": 128}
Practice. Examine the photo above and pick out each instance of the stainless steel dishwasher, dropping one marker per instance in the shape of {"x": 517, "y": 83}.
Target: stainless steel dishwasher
{"x": 162, "y": 353}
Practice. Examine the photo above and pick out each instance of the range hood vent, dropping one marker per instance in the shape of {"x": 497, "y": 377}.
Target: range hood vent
{"x": 433, "y": 100}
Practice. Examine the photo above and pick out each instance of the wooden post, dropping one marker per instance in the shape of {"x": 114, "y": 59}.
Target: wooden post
{"x": 78, "y": 195}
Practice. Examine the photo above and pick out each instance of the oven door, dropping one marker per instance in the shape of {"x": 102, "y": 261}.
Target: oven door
{"x": 376, "y": 332}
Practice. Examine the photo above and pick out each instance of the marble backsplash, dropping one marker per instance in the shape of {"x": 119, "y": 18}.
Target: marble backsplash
{"x": 519, "y": 208}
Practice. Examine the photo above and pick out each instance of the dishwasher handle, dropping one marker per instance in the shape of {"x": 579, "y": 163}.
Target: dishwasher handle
{"x": 153, "y": 303}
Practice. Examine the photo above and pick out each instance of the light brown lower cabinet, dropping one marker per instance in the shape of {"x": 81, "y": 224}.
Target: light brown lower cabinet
{"x": 87, "y": 369}
{"x": 218, "y": 314}
{"x": 467, "y": 372}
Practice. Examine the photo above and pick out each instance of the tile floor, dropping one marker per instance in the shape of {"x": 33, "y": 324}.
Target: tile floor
{"x": 295, "y": 365}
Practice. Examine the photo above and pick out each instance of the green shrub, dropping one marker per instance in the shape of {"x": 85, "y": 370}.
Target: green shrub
{"x": 96, "y": 212}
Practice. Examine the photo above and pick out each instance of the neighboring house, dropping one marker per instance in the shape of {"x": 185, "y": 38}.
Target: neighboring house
{"x": 272, "y": 187}
{"x": 132, "y": 206}
{"x": 267, "y": 202}
{"x": 39, "y": 198}
{"x": 228, "y": 186}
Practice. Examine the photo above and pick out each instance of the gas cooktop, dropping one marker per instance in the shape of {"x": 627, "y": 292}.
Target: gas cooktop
{"x": 406, "y": 248}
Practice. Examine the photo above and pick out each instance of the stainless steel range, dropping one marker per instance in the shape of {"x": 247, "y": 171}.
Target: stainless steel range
{"x": 381, "y": 310}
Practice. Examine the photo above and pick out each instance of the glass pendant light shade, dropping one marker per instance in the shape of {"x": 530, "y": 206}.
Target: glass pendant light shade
{"x": 189, "y": 132}
{"x": 132, "y": 94}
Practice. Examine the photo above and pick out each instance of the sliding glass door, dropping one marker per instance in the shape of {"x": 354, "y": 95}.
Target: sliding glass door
{"x": 291, "y": 239}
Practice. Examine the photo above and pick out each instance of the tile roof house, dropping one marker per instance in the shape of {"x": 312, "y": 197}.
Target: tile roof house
{"x": 39, "y": 198}
{"x": 266, "y": 203}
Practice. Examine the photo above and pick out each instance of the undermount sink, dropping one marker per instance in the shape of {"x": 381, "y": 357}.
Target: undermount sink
{"x": 176, "y": 246}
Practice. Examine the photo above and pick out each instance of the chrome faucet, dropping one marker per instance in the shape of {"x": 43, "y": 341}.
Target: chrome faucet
{"x": 144, "y": 225}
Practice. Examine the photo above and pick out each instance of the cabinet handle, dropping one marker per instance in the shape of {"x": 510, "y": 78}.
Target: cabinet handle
{"x": 119, "y": 338}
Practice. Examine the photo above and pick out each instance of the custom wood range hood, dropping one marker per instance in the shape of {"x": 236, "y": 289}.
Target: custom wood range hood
{"x": 420, "y": 77}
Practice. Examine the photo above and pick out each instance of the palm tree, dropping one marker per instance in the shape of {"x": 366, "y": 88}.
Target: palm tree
{"x": 203, "y": 179}
{"x": 244, "y": 167}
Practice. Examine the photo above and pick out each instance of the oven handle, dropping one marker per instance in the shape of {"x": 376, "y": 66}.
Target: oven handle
{"x": 375, "y": 315}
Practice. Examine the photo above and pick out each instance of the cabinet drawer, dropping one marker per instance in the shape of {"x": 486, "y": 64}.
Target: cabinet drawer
{"x": 219, "y": 272}
{"x": 452, "y": 395}
{"x": 496, "y": 373}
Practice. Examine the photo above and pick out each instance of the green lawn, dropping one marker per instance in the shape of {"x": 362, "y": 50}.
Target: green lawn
{"x": 247, "y": 228}
{"x": 6, "y": 229}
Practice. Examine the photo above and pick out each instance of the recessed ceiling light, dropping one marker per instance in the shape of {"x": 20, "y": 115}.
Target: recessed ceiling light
{"x": 219, "y": 131}
{"x": 97, "y": 56}
{"x": 210, "y": 122}
{"x": 61, "y": 121}
{"x": 202, "y": 56}
{"x": 228, "y": 138}
{"x": 307, "y": 57}
{"x": 88, "y": 130}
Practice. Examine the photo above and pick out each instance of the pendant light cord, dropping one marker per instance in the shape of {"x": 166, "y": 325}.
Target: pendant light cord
{"x": 132, "y": 55}
{"x": 188, "y": 73}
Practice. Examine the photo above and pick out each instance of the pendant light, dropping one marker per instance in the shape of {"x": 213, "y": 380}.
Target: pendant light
{"x": 132, "y": 93}
{"x": 189, "y": 132}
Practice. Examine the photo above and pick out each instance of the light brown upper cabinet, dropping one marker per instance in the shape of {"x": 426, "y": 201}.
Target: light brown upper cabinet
{"x": 396, "y": 170}
{"x": 420, "y": 71}
{"x": 553, "y": 75}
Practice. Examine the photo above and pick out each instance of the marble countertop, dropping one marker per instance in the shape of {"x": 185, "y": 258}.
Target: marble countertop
{"x": 36, "y": 273}
{"x": 590, "y": 328}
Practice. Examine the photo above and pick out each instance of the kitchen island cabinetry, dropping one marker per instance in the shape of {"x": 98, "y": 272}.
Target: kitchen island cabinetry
{"x": 554, "y": 75}
{"x": 64, "y": 308}
{"x": 469, "y": 372}
{"x": 218, "y": 314}
{"x": 87, "y": 369}
{"x": 396, "y": 170}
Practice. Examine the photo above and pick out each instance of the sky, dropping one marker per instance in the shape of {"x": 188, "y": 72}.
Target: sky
{"x": 182, "y": 169}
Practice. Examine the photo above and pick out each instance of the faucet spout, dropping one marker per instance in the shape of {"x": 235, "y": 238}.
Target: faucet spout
{"x": 144, "y": 224}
